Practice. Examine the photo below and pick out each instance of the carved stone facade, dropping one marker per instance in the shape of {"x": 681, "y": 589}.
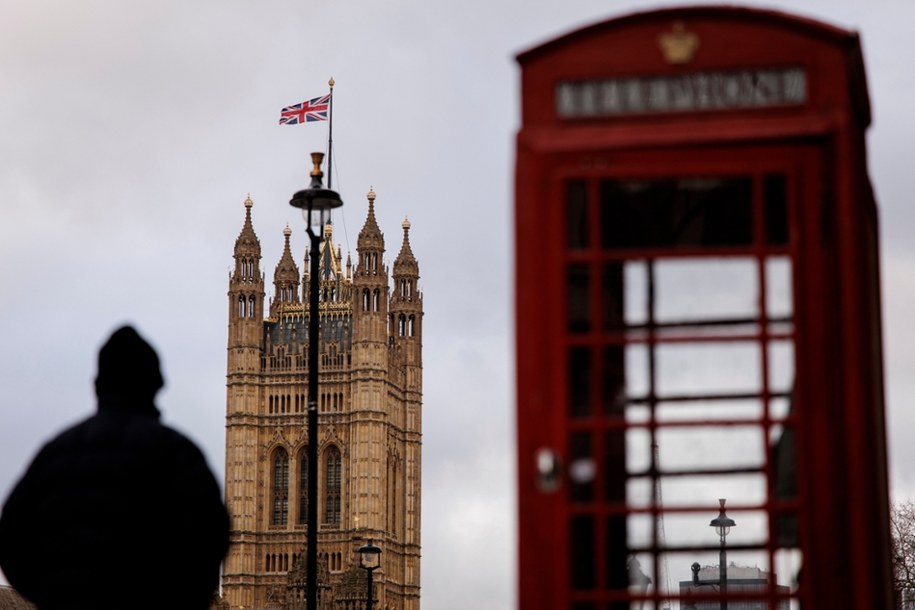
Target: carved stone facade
{"x": 11, "y": 600}
{"x": 369, "y": 428}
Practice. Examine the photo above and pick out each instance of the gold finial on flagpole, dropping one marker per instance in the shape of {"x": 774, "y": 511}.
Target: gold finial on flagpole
{"x": 331, "y": 82}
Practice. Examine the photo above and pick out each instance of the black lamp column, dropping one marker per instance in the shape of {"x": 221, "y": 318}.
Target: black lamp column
{"x": 316, "y": 202}
{"x": 723, "y": 524}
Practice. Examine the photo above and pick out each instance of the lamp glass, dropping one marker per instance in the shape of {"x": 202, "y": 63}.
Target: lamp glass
{"x": 722, "y": 523}
{"x": 370, "y": 556}
{"x": 316, "y": 219}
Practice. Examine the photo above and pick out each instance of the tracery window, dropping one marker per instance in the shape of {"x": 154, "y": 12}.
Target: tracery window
{"x": 332, "y": 463}
{"x": 392, "y": 493}
{"x": 303, "y": 487}
{"x": 280, "y": 487}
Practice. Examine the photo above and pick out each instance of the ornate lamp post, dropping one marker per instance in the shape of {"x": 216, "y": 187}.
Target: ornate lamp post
{"x": 723, "y": 524}
{"x": 316, "y": 202}
{"x": 370, "y": 557}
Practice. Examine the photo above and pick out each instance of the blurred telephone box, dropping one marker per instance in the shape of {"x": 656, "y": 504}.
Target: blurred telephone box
{"x": 698, "y": 317}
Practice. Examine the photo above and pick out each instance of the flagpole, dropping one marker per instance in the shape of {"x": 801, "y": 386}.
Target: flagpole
{"x": 330, "y": 135}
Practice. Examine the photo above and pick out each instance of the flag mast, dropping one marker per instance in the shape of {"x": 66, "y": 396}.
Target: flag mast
{"x": 330, "y": 134}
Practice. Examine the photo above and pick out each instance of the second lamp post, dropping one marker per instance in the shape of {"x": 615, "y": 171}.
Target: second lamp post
{"x": 723, "y": 524}
{"x": 370, "y": 557}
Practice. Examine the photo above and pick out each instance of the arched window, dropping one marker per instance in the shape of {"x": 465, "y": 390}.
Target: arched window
{"x": 251, "y": 306}
{"x": 366, "y": 301}
{"x": 375, "y": 300}
{"x": 401, "y": 325}
{"x": 406, "y": 288}
{"x": 303, "y": 487}
{"x": 241, "y": 307}
{"x": 280, "y": 487}
{"x": 332, "y": 465}
{"x": 411, "y": 327}
{"x": 392, "y": 494}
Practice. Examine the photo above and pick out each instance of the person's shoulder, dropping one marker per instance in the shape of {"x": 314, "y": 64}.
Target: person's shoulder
{"x": 178, "y": 439}
{"x": 174, "y": 433}
{"x": 72, "y": 432}
{"x": 71, "y": 436}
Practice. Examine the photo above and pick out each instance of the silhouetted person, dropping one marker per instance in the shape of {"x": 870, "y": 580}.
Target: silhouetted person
{"x": 118, "y": 511}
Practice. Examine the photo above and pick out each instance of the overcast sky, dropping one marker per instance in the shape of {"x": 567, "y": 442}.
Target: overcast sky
{"x": 131, "y": 133}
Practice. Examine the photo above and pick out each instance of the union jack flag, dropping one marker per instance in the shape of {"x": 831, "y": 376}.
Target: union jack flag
{"x": 313, "y": 110}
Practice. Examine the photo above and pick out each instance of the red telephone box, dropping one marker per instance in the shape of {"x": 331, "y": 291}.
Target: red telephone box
{"x": 698, "y": 318}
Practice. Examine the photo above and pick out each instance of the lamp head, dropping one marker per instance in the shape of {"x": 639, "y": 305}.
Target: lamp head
{"x": 316, "y": 202}
{"x": 370, "y": 556}
{"x": 722, "y": 523}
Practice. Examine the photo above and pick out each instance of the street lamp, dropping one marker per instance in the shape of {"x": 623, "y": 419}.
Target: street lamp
{"x": 316, "y": 202}
{"x": 723, "y": 524}
{"x": 370, "y": 559}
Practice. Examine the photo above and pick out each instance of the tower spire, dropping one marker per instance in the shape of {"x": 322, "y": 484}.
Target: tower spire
{"x": 246, "y": 282}
{"x": 247, "y": 242}
{"x": 406, "y": 302}
{"x": 370, "y": 236}
{"x": 246, "y": 297}
{"x": 406, "y": 252}
{"x": 285, "y": 277}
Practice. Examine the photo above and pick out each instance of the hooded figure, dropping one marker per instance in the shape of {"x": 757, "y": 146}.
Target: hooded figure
{"x": 118, "y": 511}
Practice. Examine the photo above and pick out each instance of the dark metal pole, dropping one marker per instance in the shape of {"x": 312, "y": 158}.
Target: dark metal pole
{"x": 723, "y": 574}
{"x": 723, "y": 524}
{"x": 330, "y": 136}
{"x": 311, "y": 575}
{"x": 368, "y": 604}
{"x": 314, "y": 200}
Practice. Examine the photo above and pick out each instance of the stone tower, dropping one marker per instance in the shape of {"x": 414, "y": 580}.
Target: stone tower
{"x": 369, "y": 424}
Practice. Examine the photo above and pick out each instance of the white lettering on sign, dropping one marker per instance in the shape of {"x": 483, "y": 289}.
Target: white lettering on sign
{"x": 682, "y": 93}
